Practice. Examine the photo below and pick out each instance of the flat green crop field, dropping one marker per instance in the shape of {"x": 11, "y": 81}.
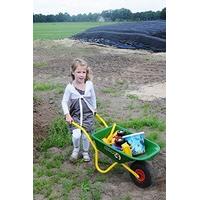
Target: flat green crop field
{"x": 61, "y": 30}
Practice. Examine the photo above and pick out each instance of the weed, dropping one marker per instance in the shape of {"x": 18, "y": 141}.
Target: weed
{"x": 53, "y": 164}
{"x": 54, "y": 180}
{"x": 85, "y": 188}
{"x": 131, "y": 96}
{"x": 161, "y": 143}
{"x": 120, "y": 82}
{"x": 47, "y": 155}
{"x": 56, "y": 194}
{"x": 58, "y": 135}
{"x": 49, "y": 172}
{"x": 58, "y": 88}
{"x": 42, "y": 186}
{"x": 68, "y": 185}
{"x": 127, "y": 198}
{"x": 99, "y": 104}
{"x": 131, "y": 107}
{"x": 61, "y": 174}
{"x": 153, "y": 136}
{"x": 90, "y": 171}
{"x": 138, "y": 123}
{"x": 42, "y": 86}
{"x": 100, "y": 178}
{"x": 103, "y": 105}
{"x": 96, "y": 190}
{"x": 111, "y": 91}
{"x": 146, "y": 108}
{"x": 41, "y": 172}
{"x": 40, "y": 64}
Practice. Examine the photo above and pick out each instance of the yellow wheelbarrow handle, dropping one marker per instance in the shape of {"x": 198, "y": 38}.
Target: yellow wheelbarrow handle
{"x": 100, "y": 119}
{"x": 97, "y": 151}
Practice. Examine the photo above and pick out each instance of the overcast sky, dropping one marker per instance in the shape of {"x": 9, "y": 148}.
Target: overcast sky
{"x": 74, "y": 7}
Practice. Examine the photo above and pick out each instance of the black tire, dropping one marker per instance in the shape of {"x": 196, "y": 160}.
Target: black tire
{"x": 144, "y": 170}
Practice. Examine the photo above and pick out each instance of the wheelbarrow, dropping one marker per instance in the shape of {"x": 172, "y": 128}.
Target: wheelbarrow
{"x": 140, "y": 170}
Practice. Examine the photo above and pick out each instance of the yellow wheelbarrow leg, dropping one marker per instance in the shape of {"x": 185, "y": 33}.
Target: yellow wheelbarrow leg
{"x": 97, "y": 164}
{"x": 130, "y": 170}
{"x": 95, "y": 149}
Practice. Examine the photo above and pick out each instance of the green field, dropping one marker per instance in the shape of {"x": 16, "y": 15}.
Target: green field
{"x": 61, "y": 30}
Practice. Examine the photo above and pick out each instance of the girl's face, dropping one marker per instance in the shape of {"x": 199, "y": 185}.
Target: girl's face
{"x": 80, "y": 74}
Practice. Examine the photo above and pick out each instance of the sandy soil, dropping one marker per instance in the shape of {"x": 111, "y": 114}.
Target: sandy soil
{"x": 118, "y": 73}
{"x": 150, "y": 92}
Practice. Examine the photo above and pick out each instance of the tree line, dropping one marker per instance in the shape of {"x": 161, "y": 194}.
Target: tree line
{"x": 108, "y": 15}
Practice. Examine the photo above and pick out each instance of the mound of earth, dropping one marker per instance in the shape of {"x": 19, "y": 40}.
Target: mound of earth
{"x": 148, "y": 35}
{"x": 43, "y": 114}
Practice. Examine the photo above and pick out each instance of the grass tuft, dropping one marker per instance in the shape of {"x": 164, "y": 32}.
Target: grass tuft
{"x": 131, "y": 96}
{"x": 58, "y": 135}
{"x": 58, "y": 88}
{"x": 40, "y": 64}
{"x": 138, "y": 123}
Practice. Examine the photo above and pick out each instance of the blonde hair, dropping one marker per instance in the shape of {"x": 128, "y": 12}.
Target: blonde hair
{"x": 80, "y": 62}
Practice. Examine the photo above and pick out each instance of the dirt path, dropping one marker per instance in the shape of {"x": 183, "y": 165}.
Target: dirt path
{"x": 128, "y": 84}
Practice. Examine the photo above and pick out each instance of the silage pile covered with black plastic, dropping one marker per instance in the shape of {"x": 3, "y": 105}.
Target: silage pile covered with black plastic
{"x": 148, "y": 35}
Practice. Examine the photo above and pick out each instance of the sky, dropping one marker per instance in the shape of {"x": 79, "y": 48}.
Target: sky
{"x": 74, "y": 7}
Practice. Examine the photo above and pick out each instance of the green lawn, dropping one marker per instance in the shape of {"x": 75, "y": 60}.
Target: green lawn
{"x": 60, "y": 30}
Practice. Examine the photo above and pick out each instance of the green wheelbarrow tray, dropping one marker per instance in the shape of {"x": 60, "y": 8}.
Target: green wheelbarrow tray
{"x": 139, "y": 169}
{"x": 151, "y": 148}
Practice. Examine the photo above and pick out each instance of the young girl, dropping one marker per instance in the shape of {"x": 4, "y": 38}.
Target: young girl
{"x": 79, "y": 105}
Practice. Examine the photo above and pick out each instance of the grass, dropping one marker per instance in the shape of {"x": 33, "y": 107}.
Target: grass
{"x": 40, "y": 64}
{"x": 96, "y": 190}
{"x": 111, "y": 91}
{"x": 58, "y": 88}
{"x": 139, "y": 123}
{"x": 61, "y": 30}
{"x": 126, "y": 198}
{"x": 131, "y": 106}
{"x": 156, "y": 137}
{"x": 133, "y": 97}
{"x": 68, "y": 185}
{"x": 58, "y": 135}
{"x": 53, "y": 180}
{"x": 53, "y": 164}
{"x": 42, "y": 186}
{"x": 102, "y": 105}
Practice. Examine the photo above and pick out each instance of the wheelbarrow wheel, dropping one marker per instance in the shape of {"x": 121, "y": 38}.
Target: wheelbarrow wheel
{"x": 143, "y": 169}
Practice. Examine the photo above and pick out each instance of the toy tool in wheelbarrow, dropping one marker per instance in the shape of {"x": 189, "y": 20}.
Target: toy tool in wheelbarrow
{"x": 139, "y": 169}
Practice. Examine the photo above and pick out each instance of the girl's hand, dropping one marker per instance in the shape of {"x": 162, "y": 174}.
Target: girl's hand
{"x": 68, "y": 118}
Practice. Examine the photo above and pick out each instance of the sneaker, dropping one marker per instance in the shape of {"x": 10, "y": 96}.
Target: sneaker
{"x": 86, "y": 156}
{"x": 74, "y": 157}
